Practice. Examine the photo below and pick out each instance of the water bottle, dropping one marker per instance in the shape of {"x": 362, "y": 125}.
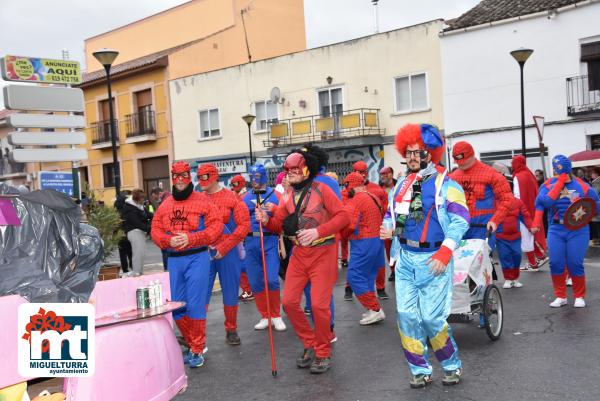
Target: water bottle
{"x": 152, "y": 295}
{"x": 160, "y": 293}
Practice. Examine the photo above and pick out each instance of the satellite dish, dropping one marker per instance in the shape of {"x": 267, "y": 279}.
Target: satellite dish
{"x": 275, "y": 95}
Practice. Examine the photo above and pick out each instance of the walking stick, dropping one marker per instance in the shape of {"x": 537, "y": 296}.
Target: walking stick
{"x": 264, "y": 263}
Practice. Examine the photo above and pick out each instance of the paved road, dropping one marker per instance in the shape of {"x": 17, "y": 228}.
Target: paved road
{"x": 543, "y": 354}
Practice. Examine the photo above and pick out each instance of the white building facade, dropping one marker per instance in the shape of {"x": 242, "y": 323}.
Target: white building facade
{"x": 349, "y": 98}
{"x": 481, "y": 81}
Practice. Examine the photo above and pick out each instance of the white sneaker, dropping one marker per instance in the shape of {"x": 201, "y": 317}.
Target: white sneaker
{"x": 278, "y": 324}
{"x": 579, "y": 303}
{"x": 508, "y": 284}
{"x": 569, "y": 282}
{"x": 558, "y": 302}
{"x": 372, "y": 317}
{"x": 517, "y": 284}
{"x": 262, "y": 324}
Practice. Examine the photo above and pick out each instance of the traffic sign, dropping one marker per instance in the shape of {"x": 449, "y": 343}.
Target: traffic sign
{"x": 539, "y": 125}
{"x": 59, "y": 181}
{"x": 46, "y": 138}
{"x": 48, "y": 155}
{"x": 40, "y": 70}
{"x": 27, "y": 120}
{"x": 43, "y": 98}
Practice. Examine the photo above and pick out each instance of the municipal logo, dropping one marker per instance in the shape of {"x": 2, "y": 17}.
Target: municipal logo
{"x": 56, "y": 340}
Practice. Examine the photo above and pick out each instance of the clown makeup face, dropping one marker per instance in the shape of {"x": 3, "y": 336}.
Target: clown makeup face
{"x": 415, "y": 156}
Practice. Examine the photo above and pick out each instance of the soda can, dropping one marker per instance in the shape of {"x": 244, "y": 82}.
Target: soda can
{"x": 142, "y": 295}
{"x": 151, "y": 296}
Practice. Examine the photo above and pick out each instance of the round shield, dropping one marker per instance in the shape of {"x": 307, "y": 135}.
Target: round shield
{"x": 579, "y": 214}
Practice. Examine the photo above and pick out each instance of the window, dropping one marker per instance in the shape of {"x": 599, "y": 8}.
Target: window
{"x": 411, "y": 93}
{"x": 266, "y": 112}
{"x": 109, "y": 175}
{"x": 209, "y": 123}
{"x": 590, "y": 54}
{"x": 331, "y": 105}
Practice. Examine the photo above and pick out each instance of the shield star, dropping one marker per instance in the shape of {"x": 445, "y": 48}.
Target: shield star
{"x": 579, "y": 213}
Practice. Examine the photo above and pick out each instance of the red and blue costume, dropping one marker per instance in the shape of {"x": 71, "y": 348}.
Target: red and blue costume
{"x": 566, "y": 247}
{"x": 194, "y": 214}
{"x": 238, "y": 185}
{"x": 508, "y": 239}
{"x": 226, "y": 259}
{"x": 253, "y": 261}
{"x": 366, "y": 251}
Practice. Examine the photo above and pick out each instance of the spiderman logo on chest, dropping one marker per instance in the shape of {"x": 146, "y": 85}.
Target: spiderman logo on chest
{"x": 178, "y": 219}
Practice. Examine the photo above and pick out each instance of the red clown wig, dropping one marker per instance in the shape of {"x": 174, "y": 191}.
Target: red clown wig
{"x": 425, "y": 136}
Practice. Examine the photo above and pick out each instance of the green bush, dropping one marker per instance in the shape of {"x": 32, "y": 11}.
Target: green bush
{"x": 107, "y": 220}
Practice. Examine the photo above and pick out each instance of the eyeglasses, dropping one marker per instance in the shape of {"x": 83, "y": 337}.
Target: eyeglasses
{"x": 419, "y": 152}
{"x": 458, "y": 156}
{"x": 204, "y": 177}
{"x": 235, "y": 184}
{"x": 183, "y": 175}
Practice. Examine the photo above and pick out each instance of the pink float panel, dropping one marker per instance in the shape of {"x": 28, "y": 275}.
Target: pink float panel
{"x": 9, "y": 306}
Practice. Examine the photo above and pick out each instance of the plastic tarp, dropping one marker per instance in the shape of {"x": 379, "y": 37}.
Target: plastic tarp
{"x": 471, "y": 260}
{"x": 51, "y": 256}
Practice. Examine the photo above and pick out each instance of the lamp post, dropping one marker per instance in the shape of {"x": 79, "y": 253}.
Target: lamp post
{"x": 248, "y": 118}
{"x": 521, "y": 55}
{"x": 106, "y": 57}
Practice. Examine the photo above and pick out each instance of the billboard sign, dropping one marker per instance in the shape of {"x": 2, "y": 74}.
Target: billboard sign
{"x": 40, "y": 70}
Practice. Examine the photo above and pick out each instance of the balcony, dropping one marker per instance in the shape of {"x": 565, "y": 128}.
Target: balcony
{"x": 580, "y": 98}
{"x": 141, "y": 126}
{"x": 352, "y": 127}
{"x": 101, "y": 134}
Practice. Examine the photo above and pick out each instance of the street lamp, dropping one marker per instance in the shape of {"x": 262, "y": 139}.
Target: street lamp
{"x": 106, "y": 57}
{"x": 521, "y": 55}
{"x": 248, "y": 118}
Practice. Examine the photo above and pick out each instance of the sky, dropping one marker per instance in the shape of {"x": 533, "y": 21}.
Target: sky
{"x": 65, "y": 24}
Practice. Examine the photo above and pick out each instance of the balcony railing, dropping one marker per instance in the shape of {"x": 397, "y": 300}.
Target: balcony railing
{"x": 142, "y": 123}
{"x": 348, "y": 124}
{"x": 101, "y": 132}
{"x": 580, "y": 98}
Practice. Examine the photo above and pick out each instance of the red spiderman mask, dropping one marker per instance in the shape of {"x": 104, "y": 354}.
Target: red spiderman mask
{"x": 295, "y": 163}
{"x": 207, "y": 174}
{"x": 180, "y": 172}
{"x": 462, "y": 152}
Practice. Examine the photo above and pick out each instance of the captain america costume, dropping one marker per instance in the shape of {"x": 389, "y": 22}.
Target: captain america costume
{"x": 191, "y": 213}
{"x": 225, "y": 258}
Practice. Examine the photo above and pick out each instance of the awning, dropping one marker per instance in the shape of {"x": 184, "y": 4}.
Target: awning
{"x": 585, "y": 158}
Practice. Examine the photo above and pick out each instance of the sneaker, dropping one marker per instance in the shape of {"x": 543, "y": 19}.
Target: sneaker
{"x": 579, "y": 303}
{"x": 508, "y": 284}
{"x": 558, "y": 302}
{"x": 196, "y": 360}
{"x": 529, "y": 268}
{"x": 333, "y": 335}
{"x": 320, "y": 365}
{"x": 304, "y": 360}
{"x": 517, "y": 284}
{"x": 232, "y": 338}
{"x": 278, "y": 324}
{"x": 392, "y": 277}
{"x": 569, "y": 282}
{"x": 307, "y": 311}
{"x": 541, "y": 262}
{"x": 372, "y": 317}
{"x": 262, "y": 324}
{"x": 348, "y": 294}
{"x": 451, "y": 377}
{"x": 381, "y": 294}
{"x": 344, "y": 263}
{"x": 246, "y": 296}
{"x": 420, "y": 381}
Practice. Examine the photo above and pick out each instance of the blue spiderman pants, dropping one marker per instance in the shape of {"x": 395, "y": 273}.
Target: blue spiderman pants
{"x": 423, "y": 305}
{"x": 510, "y": 257}
{"x": 567, "y": 248}
{"x": 229, "y": 268}
{"x": 366, "y": 258}
{"x": 188, "y": 276}
{"x": 254, "y": 267}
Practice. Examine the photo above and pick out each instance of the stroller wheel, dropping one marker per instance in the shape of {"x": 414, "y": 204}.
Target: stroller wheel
{"x": 493, "y": 312}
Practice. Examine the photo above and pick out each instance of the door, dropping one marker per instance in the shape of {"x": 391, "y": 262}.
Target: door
{"x": 331, "y": 104}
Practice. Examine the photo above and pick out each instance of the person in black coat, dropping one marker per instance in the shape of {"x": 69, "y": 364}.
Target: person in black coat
{"x": 136, "y": 224}
{"x": 125, "y": 252}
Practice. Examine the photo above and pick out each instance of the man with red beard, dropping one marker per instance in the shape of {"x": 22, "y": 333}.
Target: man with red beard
{"x": 375, "y": 190}
{"x": 183, "y": 226}
{"x": 487, "y": 192}
{"x": 226, "y": 258}
{"x": 238, "y": 186}
{"x": 311, "y": 215}
{"x": 526, "y": 189}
